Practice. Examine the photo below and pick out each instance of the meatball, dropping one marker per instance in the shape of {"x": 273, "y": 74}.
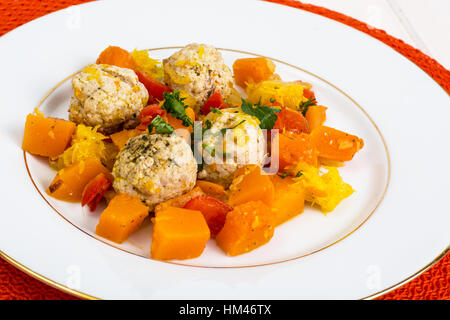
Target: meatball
{"x": 199, "y": 70}
{"x": 224, "y": 151}
{"x": 155, "y": 168}
{"x": 107, "y": 96}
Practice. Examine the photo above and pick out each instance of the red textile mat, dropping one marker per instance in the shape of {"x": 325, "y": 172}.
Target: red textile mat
{"x": 433, "y": 284}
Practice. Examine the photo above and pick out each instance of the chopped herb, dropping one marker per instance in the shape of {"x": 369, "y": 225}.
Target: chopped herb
{"x": 283, "y": 175}
{"x": 209, "y": 149}
{"x": 216, "y": 110}
{"x": 266, "y": 115}
{"x": 160, "y": 125}
{"x": 299, "y": 174}
{"x": 174, "y": 105}
{"x": 208, "y": 124}
{"x": 222, "y": 131}
{"x": 272, "y": 100}
{"x": 304, "y": 106}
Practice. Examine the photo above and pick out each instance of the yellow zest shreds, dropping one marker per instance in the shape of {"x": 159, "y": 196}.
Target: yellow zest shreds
{"x": 326, "y": 190}
{"x": 86, "y": 143}
{"x": 175, "y": 77}
{"x": 189, "y": 100}
{"x": 201, "y": 51}
{"x": 148, "y": 65}
{"x": 94, "y": 73}
{"x": 289, "y": 94}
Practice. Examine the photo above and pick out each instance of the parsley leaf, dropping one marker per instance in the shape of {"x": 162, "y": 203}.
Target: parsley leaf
{"x": 304, "y": 106}
{"x": 174, "y": 105}
{"x": 211, "y": 150}
{"x": 216, "y": 110}
{"x": 283, "y": 175}
{"x": 299, "y": 174}
{"x": 266, "y": 115}
{"x": 160, "y": 125}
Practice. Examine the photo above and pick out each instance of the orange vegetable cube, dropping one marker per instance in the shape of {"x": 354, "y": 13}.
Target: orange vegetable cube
{"x": 316, "y": 116}
{"x": 121, "y": 137}
{"x": 212, "y": 189}
{"x": 289, "y": 201}
{"x": 334, "y": 144}
{"x": 47, "y": 137}
{"x": 294, "y": 148}
{"x": 123, "y": 216}
{"x": 116, "y": 56}
{"x": 69, "y": 183}
{"x": 247, "y": 227}
{"x": 249, "y": 184}
{"x": 252, "y": 70}
{"x": 178, "y": 234}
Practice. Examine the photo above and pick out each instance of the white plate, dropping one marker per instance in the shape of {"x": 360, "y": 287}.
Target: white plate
{"x": 392, "y": 228}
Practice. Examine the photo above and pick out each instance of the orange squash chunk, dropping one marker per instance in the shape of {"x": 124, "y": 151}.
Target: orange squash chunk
{"x": 121, "y": 137}
{"x": 69, "y": 183}
{"x": 116, "y": 56}
{"x": 47, "y": 137}
{"x": 316, "y": 116}
{"x": 123, "y": 216}
{"x": 249, "y": 184}
{"x": 178, "y": 234}
{"x": 212, "y": 189}
{"x": 289, "y": 200}
{"x": 334, "y": 144}
{"x": 294, "y": 148}
{"x": 247, "y": 227}
{"x": 252, "y": 70}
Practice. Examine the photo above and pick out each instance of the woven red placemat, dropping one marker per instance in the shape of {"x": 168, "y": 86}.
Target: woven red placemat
{"x": 433, "y": 284}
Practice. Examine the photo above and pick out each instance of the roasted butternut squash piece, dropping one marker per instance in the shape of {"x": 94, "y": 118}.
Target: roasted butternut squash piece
{"x": 249, "y": 184}
{"x": 316, "y": 116}
{"x": 334, "y": 144}
{"x": 252, "y": 70}
{"x": 116, "y": 56}
{"x": 247, "y": 227}
{"x": 123, "y": 216}
{"x": 289, "y": 201}
{"x": 69, "y": 183}
{"x": 46, "y": 137}
{"x": 294, "y": 148}
{"x": 178, "y": 234}
{"x": 121, "y": 137}
{"x": 212, "y": 189}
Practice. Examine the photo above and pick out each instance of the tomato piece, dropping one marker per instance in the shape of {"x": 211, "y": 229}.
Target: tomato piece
{"x": 214, "y": 211}
{"x": 150, "y": 112}
{"x": 94, "y": 191}
{"x": 308, "y": 94}
{"x": 214, "y": 101}
{"x": 292, "y": 121}
{"x": 155, "y": 88}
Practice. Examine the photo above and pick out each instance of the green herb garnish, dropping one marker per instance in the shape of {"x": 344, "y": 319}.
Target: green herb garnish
{"x": 209, "y": 149}
{"x": 222, "y": 131}
{"x": 266, "y": 115}
{"x": 216, "y": 110}
{"x": 299, "y": 174}
{"x": 304, "y": 106}
{"x": 283, "y": 175}
{"x": 174, "y": 105}
{"x": 160, "y": 125}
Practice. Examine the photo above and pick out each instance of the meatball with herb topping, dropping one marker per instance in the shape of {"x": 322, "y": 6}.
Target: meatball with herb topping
{"x": 155, "y": 168}
{"x": 107, "y": 96}
{"x": 198, "y": 70}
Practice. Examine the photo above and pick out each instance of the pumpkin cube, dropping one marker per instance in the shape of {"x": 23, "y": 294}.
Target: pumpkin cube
{"x": 123, "y": 216}
{"x": 46, "y": 137}
{"x": 178, "y": 234}
{"x": 290, "y": 199}
{"x": 247, "y": 227}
